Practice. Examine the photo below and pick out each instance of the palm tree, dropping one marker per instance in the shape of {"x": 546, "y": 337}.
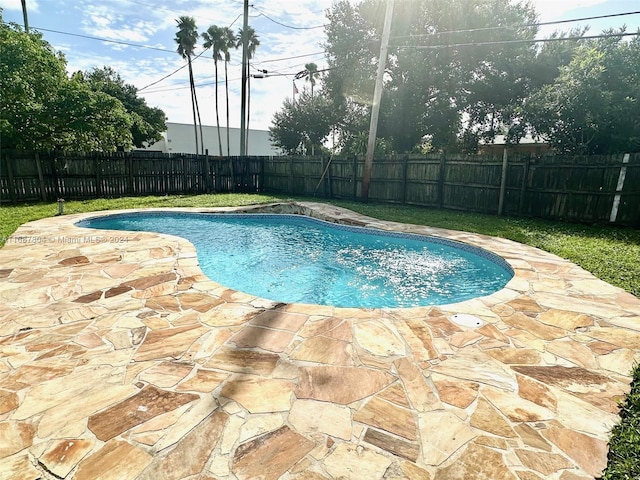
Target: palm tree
{"x": 215, "y": 40}
{"x": 186, "y": 38}
{"x": 252, "y": 44}
{"x": 229, "y": 42}
{"x": 312, "y": 74}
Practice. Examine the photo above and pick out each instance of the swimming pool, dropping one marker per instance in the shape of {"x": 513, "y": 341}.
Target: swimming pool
{"x": 297, "y": 259}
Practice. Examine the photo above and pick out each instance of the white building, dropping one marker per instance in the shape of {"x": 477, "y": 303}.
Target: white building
{"x": 180, "y": 138}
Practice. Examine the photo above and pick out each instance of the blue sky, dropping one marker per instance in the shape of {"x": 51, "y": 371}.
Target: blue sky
{"x": 153, "y": 24}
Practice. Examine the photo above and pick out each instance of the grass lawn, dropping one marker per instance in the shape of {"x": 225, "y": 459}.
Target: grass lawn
{"x": 611, "y": 254}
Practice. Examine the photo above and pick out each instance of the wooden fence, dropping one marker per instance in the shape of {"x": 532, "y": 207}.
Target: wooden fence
{"x": 47, "y": 177}
{"x": 599, "y": 189}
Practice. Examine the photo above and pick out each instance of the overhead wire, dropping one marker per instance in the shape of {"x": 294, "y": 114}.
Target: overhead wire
{"x": 204, "y": 84}
{"x": 508, "y": 27}
{"x": 520, "y": 41}
{"x": 172, "y": 73}
{"x": 290, "y": 58}
{"x": 107, "y": 40}
{"x": 293, "y": 27}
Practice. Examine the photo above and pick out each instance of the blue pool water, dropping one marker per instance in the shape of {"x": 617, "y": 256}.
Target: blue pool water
{"x": 297, "y": 259}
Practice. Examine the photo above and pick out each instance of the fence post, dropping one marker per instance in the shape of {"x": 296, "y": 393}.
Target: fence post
{"x": 96, "y": 166}
{"x": 405, "y": 168}
{"x": 503, "y": 181}
{"x": 290, "y": 175}
{"x": 12, "y": 185}
{"x": 130, "y": 172}
{"x": 441, "y": 175}
{"x": 184, "y": 174}
{"x": 618, "y": 196}
{"x": 355, "y": 176}
{"x": 523, "y": 186}
{"x": 328, "y": 179}
{"x": 262, "y": 181}
{"x": 53, "y": 160}
{"x": 204, "y": 173}
{"x": 43, "y": 190}
{"x": 324, "y": 184}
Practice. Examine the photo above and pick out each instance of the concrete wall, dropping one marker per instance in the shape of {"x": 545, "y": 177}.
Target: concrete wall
{"x": 180, "y": 138}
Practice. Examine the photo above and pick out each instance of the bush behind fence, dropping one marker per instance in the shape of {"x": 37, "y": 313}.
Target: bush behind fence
{"x": 603, "y": 189}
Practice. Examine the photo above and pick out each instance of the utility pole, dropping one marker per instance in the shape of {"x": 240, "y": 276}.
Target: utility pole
{"x": 243, "y": 107}
{"x": 377, "y": 95}
{"x": 24, "y": 15}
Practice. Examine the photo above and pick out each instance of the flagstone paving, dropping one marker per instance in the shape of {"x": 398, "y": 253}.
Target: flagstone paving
{"x": 120, "y": 360}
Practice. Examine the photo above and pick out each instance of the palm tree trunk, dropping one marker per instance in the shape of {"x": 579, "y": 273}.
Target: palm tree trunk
{"x": 215, "y": 63}
{"x": 193, "y": 103}
{"x": 195, "y": 97}
{"x": 226, "y": 87}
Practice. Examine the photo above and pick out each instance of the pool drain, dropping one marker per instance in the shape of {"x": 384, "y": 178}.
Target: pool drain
{"x": 466, "y": 320}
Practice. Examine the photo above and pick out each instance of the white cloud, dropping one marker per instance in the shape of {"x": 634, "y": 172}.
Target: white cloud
{"x": 32, "y": 5}
{"x": 102, "y": 21}
{"x": 553, "y": 9}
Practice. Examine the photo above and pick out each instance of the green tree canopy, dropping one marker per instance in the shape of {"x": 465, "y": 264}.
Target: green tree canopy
{"x": 42, "y": 108}
{"x": 434, "y": 87}
{"x": 461, "y": 72}
{"x": 147, "y": 123}
{"x": 301, "y": 125}
{"x": 593, "y": 106}
{"x": 30, "y": 75}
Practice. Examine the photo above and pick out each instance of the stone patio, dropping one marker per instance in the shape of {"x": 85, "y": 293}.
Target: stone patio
{"x": 120, "y": 360}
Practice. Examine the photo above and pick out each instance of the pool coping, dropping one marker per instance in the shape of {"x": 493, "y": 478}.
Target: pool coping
{"x": 530, "y": 393}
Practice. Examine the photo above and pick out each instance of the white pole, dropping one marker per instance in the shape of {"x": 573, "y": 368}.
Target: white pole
{"x": 377, "y": 95}
{"x": 618, "y": 197}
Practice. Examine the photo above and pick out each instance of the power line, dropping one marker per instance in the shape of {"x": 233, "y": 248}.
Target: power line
{"x": 105, "y": 40}
{"x": 293, "y": 27}
{"x": 508, "y": 27}
{"x": 163, "y": 78}
{"x": 504, "y": 42}
{"x": 304, "y": 73}
{"x": 131, "y": 45}
{"x": 172, "y": 73}
{"x": 597, "y": 17}
{"x": 289, "y": 58}
{"x": 205, "y": 84}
